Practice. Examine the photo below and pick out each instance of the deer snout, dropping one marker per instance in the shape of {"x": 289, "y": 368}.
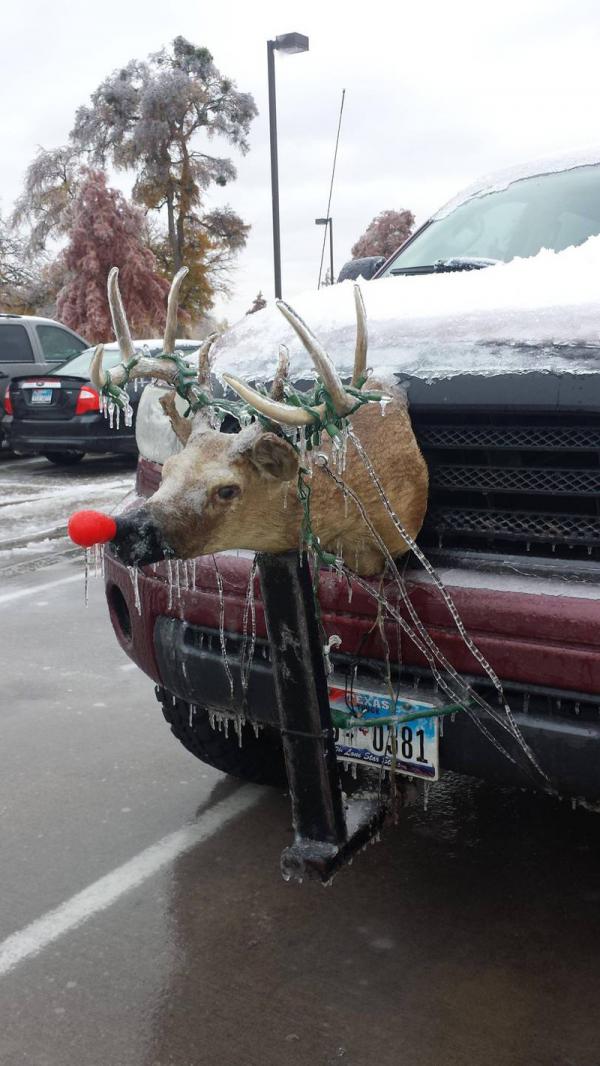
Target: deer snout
{"x": 139, "y": 539}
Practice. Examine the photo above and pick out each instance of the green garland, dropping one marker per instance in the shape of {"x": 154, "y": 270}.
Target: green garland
{"x": 347, "y": 720}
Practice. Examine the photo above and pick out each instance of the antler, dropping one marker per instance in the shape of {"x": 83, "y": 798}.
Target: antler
{"x": 145, "y": 366}
{"x": 342, "y": 401}
{"x": 283, "y": 366}
{"x": 362, "y": 338}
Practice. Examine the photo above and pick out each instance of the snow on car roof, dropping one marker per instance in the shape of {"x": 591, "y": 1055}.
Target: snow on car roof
{"x": 501, "y": 179}
{"x": 541, "y": 313}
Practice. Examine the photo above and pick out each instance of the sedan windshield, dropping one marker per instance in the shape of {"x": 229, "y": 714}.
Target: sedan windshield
{"x": 551, "y": 211}
{"x": 79, "y": 367}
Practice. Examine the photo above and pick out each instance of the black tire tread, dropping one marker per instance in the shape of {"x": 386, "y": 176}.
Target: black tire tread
{"x": 259, "y": 759}
{"x": 64, "y": 458}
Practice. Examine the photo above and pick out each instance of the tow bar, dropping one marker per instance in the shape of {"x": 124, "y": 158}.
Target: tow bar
{"x": 328, "y": 827}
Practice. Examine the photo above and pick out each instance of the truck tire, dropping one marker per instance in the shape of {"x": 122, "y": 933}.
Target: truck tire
{"x": 259, "y": 759}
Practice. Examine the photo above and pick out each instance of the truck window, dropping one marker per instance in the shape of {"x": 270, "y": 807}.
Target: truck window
{"x": 57, "y": 344}
{"x": 15, "y": 346}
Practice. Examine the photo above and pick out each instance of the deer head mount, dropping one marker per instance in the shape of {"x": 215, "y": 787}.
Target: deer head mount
{"x": 239, "y": 490}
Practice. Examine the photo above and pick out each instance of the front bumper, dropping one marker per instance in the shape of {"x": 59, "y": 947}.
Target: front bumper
{"x": 85, "y": 433}
{"x": 545, "y": 648}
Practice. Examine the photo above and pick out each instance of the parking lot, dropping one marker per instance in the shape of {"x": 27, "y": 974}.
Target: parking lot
{"x": 143, "y": 921}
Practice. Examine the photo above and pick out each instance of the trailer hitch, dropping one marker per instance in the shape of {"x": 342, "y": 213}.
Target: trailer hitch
{"x": 328, "y": 828}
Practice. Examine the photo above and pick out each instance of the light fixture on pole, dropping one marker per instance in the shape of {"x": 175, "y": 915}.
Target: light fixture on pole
{"x": 328, "y": 222}
{"x": 292, "y": 43}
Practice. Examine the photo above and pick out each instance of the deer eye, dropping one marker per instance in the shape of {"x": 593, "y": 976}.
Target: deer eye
{"x": 228, "y": 492}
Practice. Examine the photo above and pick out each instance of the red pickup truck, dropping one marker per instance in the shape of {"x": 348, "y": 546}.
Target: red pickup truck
{"x": 512, "y": 527}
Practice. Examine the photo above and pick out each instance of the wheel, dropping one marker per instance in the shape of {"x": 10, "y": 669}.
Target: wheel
{"x": 64, "y": 458}
{"x": 258, "y": 759}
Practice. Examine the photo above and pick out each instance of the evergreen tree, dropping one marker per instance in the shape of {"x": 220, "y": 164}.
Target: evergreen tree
{"x": 384, "y": 234}
{"x": 106, "y": 231}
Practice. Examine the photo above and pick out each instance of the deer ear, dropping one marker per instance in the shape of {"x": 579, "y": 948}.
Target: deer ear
{"x": 274, "y": 457}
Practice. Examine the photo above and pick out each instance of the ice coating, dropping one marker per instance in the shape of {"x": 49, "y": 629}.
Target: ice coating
{"x": 501, "y": 179}
{"x": 536, "y": 314}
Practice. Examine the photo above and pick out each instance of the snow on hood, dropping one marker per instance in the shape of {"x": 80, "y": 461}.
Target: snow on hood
{"x": 541, "y": 313}
{"x": 501, "y": 179}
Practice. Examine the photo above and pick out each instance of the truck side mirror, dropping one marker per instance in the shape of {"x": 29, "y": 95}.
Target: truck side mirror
{"x": 361, "y": 268}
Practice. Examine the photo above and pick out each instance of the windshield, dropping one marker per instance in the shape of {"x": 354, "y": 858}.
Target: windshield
{"x": 551, "y": 211}
{"x": 79, "y": 367}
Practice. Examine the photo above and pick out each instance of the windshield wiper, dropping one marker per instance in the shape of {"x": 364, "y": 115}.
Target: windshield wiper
{"x": 445, "y": 266}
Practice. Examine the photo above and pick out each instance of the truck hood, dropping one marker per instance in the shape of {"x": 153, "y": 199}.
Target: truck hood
{"x": 539, "y": 314}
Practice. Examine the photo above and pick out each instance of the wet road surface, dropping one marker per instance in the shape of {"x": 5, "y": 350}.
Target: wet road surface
{"x": 37, "y": 497}
{"x": 143, "y": 921}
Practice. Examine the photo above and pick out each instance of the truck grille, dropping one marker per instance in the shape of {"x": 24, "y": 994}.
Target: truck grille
{"x": 520, "y": 483}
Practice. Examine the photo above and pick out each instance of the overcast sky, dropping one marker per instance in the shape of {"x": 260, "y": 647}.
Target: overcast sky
{"x": 436, "y": 94}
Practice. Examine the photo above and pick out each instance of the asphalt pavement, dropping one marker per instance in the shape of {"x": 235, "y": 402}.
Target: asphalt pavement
{"x": 143, "y": 921}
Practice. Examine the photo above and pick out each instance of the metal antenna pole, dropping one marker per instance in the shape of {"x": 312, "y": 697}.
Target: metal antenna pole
{"x": 271, "y": 45}
{"x": 328, "y": 212}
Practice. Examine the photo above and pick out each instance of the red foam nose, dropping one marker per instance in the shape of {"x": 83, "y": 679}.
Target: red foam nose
{"x": 91, "y": 527}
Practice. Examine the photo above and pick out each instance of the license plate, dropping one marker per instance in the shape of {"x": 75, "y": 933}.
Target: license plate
{"x": 41, "y": 395}
{"x": 417, "y": 740}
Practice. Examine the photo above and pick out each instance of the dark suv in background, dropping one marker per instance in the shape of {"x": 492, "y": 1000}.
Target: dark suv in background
{"x": 31, "y": 345}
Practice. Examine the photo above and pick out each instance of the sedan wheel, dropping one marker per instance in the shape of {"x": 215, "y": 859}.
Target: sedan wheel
{"x": 64, "y": 458}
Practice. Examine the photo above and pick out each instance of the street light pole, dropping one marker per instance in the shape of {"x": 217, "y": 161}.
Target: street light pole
{"x": 328, "y": 222}
{"x": 290, "y": 43}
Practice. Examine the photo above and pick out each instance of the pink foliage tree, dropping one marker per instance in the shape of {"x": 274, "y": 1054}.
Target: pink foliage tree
{"x": 385, "y": 234}
{"x": 106, "y": 231}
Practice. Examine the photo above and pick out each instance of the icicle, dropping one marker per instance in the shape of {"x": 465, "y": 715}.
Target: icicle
{"x": 249, "y": 613}
{"x": 170, "y": 582}
{"x": 239, "y": 726}
{"x": 226, "y": 727}
{"x": 128, "y": 411}
{"x": 191, "y": 716}
{"x": 256, "y": 729}
{"x": 86, "y": 576}
{"x": 111, "y": 414}
{"x": 222, "y": 632}
{"x": 211, "y": 719}
{"x": 333, "y": 642}
{"x": 134, "y": 575}
{"x": 118, "y": 418}
{"x": 353, "y": 770}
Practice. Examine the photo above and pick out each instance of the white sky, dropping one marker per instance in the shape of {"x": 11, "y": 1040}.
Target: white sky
{"x": 437, "y": 93}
